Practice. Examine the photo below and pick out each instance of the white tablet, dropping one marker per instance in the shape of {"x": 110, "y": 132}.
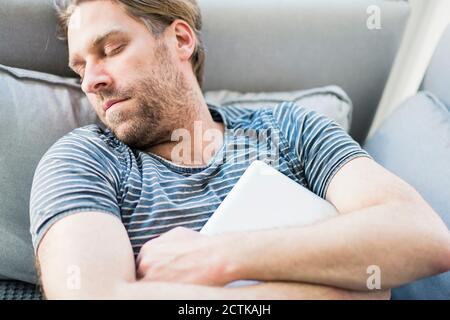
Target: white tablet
{"x": 264, "y": 198}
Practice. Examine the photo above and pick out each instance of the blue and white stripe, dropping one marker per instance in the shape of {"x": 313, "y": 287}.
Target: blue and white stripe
{"x": 89, "y": 169}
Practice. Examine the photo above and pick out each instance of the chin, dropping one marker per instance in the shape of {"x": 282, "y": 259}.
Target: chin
{"x": 126, "y": 133}
{"x": 122, "y": 132}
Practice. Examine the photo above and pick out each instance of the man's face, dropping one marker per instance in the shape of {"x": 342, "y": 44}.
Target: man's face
{"x": 130, "y": 77}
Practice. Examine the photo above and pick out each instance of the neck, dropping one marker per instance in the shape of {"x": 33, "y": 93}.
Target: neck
{"x": 196, "y": 144}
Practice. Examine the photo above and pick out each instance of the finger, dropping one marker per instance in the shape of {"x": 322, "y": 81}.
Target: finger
{"x": 182, "y": 233}
{"x": 141, "y": 266}
{"x": 182, "y": 230}
{"x": 140, "y": 272}
{"x": 138, "y": 259}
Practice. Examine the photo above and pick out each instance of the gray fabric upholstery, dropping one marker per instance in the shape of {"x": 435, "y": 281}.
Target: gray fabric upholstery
{"x": 414, "y": 143}
{"x": 331, "y": 101}
{"x": 35, "y": 111}
{"x": 28, "y": 37}
{"x": 252, "y": 46}
{"x": 437, "y": 78}
{"x": 40, "y": 109}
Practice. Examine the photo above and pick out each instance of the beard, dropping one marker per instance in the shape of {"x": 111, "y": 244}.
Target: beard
{"x": 160, "y": 105}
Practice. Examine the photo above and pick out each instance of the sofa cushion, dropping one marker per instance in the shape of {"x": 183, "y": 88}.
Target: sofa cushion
{"x": 414, "y": 143}
{"x": 437, "y": 77}
{"x": 331, "y": 101}
{"x": 36, "y": 110}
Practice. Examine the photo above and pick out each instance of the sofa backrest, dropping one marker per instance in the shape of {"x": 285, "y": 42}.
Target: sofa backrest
{"x": 253, "y": 45}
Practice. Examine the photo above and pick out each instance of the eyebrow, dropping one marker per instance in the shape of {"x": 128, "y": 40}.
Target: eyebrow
{"x": 98, "y": 40}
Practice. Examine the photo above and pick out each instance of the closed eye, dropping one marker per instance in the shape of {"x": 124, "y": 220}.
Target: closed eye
{"x": 115, "y": 50}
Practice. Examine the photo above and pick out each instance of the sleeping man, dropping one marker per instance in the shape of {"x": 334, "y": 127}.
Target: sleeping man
{"x": 116, "y": 208}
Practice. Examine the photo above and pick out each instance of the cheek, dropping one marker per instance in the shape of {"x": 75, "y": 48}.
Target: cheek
{"x": 97, "y": 107}
{"x": 136, "y": 62}
{"x": 93, "y": 100}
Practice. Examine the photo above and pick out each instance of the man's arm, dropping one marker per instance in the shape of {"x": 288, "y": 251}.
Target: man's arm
{"x": 383, "y": 222}
{"x": 89, "y": 256}
{"x": 85, "y": 256}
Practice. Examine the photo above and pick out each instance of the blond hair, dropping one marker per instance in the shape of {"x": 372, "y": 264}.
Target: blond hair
{"x": 157, "y": 15}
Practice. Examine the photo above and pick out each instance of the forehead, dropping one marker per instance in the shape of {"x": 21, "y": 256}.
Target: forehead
{"x": 94, "y": 19}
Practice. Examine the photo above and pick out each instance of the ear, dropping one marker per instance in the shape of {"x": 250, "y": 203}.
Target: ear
{"x": 185, "y": 39}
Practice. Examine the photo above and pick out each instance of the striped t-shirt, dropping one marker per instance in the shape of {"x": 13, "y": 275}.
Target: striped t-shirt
{"x": 89, "y": 169}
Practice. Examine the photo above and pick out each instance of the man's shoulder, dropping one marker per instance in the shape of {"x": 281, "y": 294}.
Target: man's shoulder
{"x": 91, "y": 132}
{"x": 90, "y": 141}
{"x": 240, "y": 115}
{"x": 289, "y": 110}
{"x": 279, "y": 110}
{"x": 291, "y": 117}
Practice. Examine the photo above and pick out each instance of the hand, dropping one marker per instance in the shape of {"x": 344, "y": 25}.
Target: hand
{"x": 186, "y": 256}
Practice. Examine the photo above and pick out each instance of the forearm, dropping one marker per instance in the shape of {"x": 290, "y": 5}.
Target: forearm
{"x": 397, "y": 238}
{"x": 270, "y": 291}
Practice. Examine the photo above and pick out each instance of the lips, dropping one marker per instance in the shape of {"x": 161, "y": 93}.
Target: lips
{"x": 108, "y": 104}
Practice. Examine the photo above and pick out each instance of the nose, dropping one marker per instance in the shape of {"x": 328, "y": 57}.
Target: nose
{"x": 96, "y": 78}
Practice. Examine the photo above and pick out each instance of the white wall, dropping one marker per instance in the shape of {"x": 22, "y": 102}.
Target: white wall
{"x": 425, "y": 26}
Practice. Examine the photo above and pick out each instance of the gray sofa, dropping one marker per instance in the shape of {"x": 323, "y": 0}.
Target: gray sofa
{"x": 305, "y": 44}
{"x": 414, "y": 143}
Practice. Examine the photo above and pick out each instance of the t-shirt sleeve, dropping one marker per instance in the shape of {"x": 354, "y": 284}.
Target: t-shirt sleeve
{"x": 320, "y": 144}
{"x": 76, "y": 174}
